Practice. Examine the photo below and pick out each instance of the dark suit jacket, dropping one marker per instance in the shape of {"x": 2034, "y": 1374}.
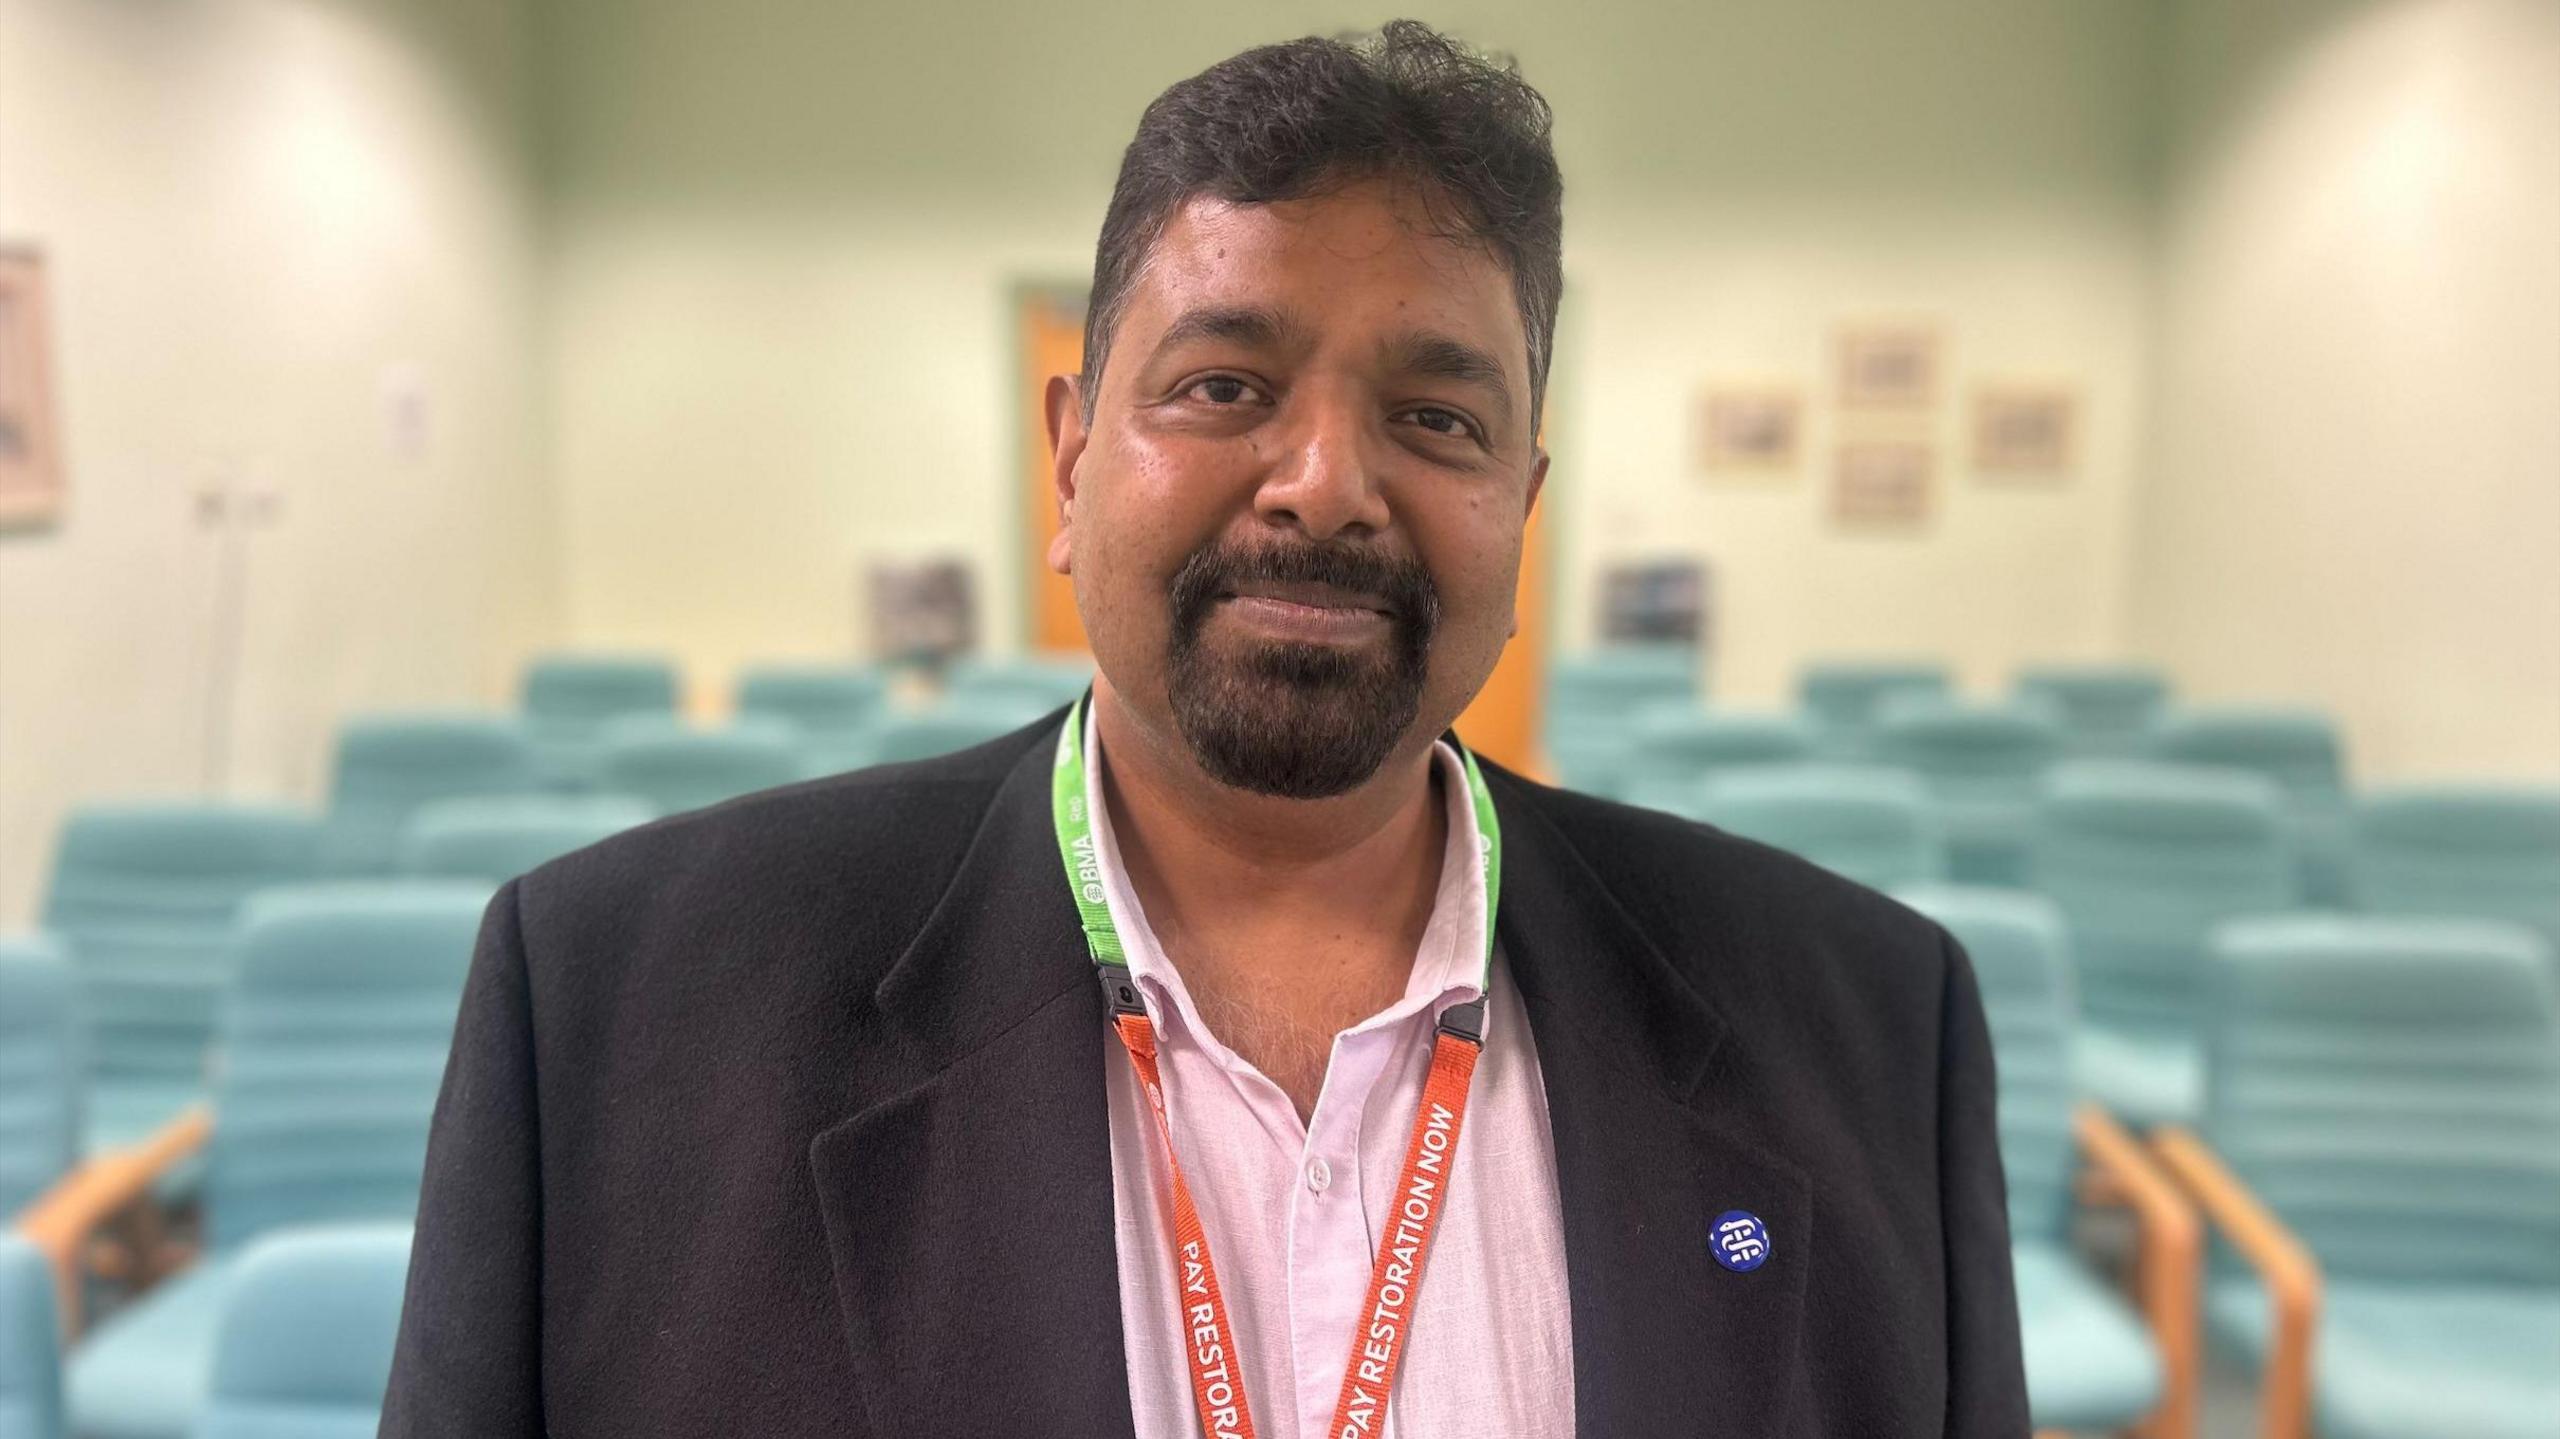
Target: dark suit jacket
{"x": 787, "y": 1118}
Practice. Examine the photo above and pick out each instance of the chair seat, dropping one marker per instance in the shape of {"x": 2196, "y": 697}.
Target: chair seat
{"x": 2416, "y": 1362}
{"x": 2090, "y": 1364}
{"x": 2144, "y": 1079}
{"x": 144, "y": 1373}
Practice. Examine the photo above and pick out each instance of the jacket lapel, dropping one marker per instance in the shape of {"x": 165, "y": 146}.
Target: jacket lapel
{"x": 968, "y": 1201}
{"x": 1647, "y": 1159}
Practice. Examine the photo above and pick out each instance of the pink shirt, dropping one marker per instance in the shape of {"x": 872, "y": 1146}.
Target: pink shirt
{"x": 1293, "y": 1211}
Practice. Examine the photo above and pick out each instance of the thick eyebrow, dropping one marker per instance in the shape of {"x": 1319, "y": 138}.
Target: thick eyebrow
{"x": 1423, "y": 352}
{"x": 1253, "y": 327}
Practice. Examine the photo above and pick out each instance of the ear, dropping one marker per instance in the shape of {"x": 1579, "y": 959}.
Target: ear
{"x": 1537, "y": 487}
{"x": 1064, "y": 405}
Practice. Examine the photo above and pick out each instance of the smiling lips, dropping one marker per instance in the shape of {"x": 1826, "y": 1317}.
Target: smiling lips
{"x": 1307, "y": 613}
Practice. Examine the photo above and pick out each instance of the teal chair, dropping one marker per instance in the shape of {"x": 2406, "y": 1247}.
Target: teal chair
{"x": 143, "y": 898}
{"x": 497, "y": 839}
{"x": 30, "y": 1344}
{"x": 822, "y": 702}
{"x": 1871, "y": 825}
{"x": 39, "y": 1071}
{"x": 2389, "y": 1091}
{"x": 1034, "y": 682}
{"x": 2106, "y": 710}
{"x": 2299, "y": 750}
{"x": 950, "y": 725}
{"x": 672, "y": 768}
{"x": 568, "y": 699}
{"x": 2092, "y": 1365}
{"x": 334, "y": 1042}
{"x": 2144, "y": 860}
{"x": 303, "y": 1349}
{"x": 1679, "y": 745}
{"x": 389, "y": 765}
{"x": 1592, "y": 700}
{"x": 1843, "y": 698}
{"x": 1982, "y": 764}
{"x": 2488, "y": 851}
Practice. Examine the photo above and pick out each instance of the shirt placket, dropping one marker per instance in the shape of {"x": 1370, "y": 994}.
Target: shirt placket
{"x": 1330, "y": 1229}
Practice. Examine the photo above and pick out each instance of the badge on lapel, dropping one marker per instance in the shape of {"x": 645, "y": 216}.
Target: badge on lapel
{"x": 1740, "y": 1241}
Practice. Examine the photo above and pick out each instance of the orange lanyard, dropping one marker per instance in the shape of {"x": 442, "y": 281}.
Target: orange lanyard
{"x": 1395, "y": 1276}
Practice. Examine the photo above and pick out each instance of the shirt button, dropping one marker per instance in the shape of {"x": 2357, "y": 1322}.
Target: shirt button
{"x": 1319, "y": 1175}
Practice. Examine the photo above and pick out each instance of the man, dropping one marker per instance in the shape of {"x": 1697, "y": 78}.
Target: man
{"x": 1232, "y": 1054}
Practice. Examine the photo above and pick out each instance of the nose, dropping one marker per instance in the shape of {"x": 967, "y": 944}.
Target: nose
{"x": 1326, "y": 480}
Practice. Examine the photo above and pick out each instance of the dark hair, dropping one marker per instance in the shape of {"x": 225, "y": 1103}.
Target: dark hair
{"x": 1285, "y": 121}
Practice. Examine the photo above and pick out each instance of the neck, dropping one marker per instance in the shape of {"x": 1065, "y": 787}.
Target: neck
{"x": 1293, "y": 918}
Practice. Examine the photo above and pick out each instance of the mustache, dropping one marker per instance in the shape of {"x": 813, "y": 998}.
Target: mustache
{"x": 1402, "y": 584}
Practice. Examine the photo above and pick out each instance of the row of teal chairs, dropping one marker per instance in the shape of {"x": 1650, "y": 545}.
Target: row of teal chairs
{"x": 2144, "y": 859}
{"x": 2378, "y": 1145}
{"x": 569, "y": 702}
{"x": 333, "y": 1024}
{"x": 302, "y": 1344}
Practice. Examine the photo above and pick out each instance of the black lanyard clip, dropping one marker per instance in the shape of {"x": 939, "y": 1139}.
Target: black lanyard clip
{"x": 1466, "y": 1021}
{"x": 1119, "y": 990}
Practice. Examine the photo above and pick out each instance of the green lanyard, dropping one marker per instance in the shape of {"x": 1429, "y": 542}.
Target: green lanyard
{"x": 1395, "y": 1277}
{"x": 1082, "y": 851}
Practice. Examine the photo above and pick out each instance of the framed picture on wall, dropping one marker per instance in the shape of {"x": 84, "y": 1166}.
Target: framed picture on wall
{"x": 30, "y": 451}
{"x": 1750, "y": 431}
{"x": 1881, "y": 485}
{"x": 1889, "y": 366}
{"x": 2025, "y": 432}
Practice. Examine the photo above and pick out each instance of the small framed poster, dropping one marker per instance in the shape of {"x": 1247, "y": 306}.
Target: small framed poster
{"x": 31, "y": 480}
{"x": 1881, "y": 485}
{"x": 2025, "y": 432}
{"x": 1751, "y": 431}
{"x": 1889, "y": 366}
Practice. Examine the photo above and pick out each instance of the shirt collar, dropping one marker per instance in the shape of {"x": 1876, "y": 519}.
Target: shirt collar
{"x": 1448, "y": 965}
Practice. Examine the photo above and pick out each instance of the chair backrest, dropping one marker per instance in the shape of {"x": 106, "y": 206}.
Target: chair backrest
{"x": 303, "y": 1348}
{"x": 1592, "y": 700}
{"x": 144, "y": 898}
{"x": 822, "y": 701}
{"x": 2296, "y": 748}
{"x": 586, "y": 691}
{"x": 497, "y": 839}
{"x": 1842, "y": 698}
{"x": 673, "y": 769}
{"x": 1872, "y": 825}
{"x": 950, "y": 725}
{"x": 39, "y": 1071}
{"x": 2021, "y": 955}
{"x": 2483, "y": 850}
{"x": 333, "y": 1047}
{"x": 2144, "y": 860}
{"x": 1968, "y": 751}
{"x": 1684, "y": 740}
{"x": 1037, "y": 683}
{"x": 2391, "y": 1089}
{"x": 2106, "y": 710}
{"x": 388, "y": 765}
{"x": 30, "y": 1344}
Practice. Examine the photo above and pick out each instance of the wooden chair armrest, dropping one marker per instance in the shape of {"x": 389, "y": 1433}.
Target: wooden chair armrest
{"x": 2284, "y": 1265}
{"x": 62, "y": 1221}
{"x": 2168, "y": 1263}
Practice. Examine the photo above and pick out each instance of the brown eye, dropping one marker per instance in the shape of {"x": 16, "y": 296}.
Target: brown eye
{"x": 1442, "y": 422}
{"x": 1222, "y": 390}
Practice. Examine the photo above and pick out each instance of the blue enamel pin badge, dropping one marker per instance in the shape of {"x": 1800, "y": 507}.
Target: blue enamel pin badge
{"x": 1740, "y": 1241}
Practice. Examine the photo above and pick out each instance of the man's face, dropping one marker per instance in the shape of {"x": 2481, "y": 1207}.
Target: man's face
{"x": 1294, "y": 522}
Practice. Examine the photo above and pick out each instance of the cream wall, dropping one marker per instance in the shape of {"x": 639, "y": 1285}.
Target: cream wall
{"x": 787, "y": 233}
{"x": 2356, "y": 495}
{"x": 258, "y": 213}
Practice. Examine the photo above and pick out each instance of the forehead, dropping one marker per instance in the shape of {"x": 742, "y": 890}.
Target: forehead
{"x": 1362, "y": 259}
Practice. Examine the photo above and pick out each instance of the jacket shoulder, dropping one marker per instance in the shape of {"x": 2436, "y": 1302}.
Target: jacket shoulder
{"x": 853, "y": 863}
